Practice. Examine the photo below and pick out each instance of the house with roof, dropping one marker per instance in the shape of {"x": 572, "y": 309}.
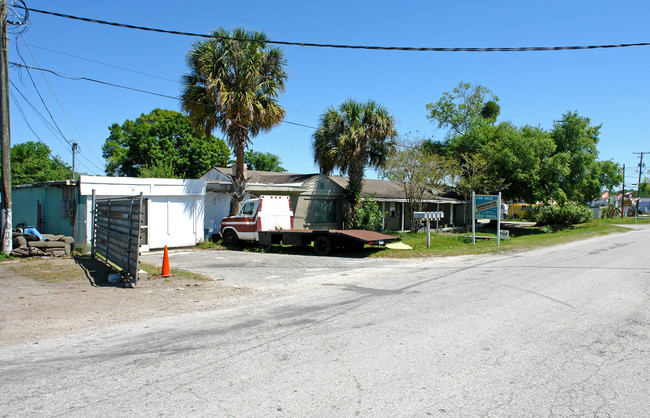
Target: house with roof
{"x": 317, "y": 200}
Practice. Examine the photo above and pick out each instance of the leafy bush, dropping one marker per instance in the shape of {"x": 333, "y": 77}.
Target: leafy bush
{"x": 567, "y": 214}
{"x": 368, "y": 214}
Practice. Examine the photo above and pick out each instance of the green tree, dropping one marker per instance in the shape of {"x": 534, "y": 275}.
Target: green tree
{"x": 263, "y": 161}
{"x": 33, "y": 162}
{"x": 162, "y": 143}
{"x": 644, "y": 188}
{"x": 349, "y": 139}
{"x": 575, "y": 136}
{"x": 526, "y": 161}
{"x": 611, "y": 175}
{"x": 418, "y": 172}
{"x": 464, "y": 108}
{"x": 233, "y": 84}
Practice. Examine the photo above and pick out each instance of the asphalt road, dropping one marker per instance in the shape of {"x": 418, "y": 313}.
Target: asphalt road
{"x": 560, "y": 331}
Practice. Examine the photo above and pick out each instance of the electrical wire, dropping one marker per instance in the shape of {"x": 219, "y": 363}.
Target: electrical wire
{"x": 103, "y": 63}
{"x": 47, "y": 124}
{"x": 58, "y": 101}
{"x": 342, "y": 46}
{"x": 76, "y": 78}
{"x": 22, "y": 113}
{"x": 27, "y": 67}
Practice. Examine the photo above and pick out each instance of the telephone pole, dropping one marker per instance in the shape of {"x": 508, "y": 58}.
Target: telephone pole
{"x": 75, "y": 147}
{"x": 638, "y": 185}
{"x": 623, "y": 195}
{"x": 5, "y": 134}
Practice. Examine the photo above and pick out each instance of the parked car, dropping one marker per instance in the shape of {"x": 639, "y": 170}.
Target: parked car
{"x": 520, "y": 211}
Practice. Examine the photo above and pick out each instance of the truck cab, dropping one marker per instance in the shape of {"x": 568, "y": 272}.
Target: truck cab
{"x": 266, "y": 213}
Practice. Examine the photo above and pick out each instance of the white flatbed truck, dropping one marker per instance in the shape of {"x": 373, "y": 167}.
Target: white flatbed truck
{"x": 268, "y": 220}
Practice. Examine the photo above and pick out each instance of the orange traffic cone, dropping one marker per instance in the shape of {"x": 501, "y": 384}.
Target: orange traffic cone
{"x": 165, "y": 267}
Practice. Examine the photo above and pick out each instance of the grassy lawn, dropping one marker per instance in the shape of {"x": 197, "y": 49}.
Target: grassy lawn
{"x": 521, "y": 238}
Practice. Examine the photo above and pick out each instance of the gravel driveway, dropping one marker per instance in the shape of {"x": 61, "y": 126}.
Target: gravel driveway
{"x": 42, "y": 298}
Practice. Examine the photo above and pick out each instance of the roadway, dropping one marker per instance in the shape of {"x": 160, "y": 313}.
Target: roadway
{"x": 558, "y": 331}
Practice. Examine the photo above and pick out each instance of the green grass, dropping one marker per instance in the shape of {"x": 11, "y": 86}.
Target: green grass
{"x": 210, "y": 245}
{"x": 4, "y": 256}
{"x": 521, "y": 239}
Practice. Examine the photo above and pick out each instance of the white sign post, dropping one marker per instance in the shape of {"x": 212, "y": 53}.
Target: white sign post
{"x": 486, "y": 207}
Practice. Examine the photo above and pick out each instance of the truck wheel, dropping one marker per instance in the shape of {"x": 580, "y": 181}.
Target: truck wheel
{"x": 229, "y": 238}
{"x": 322, "y": 245}
{"x": 515, "y": 216}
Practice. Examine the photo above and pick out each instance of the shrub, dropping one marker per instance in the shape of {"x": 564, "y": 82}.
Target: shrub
{"x": 567, "y": 214}
{"x": 369, "y": 216}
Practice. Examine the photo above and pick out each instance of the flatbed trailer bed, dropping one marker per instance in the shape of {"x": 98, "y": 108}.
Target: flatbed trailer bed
{"x": 326, "y": 240}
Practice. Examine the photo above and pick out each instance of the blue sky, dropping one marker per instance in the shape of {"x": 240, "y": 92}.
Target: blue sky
{"x": 610, "y": 86}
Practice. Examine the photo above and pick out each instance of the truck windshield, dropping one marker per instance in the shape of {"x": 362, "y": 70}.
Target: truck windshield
{"x": 247, "y": 209}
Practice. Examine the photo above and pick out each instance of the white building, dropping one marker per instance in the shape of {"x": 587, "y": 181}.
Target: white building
{"x": 174, "y": 213}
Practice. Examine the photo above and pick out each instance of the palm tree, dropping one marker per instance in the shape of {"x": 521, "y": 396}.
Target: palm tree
{"x": 233, "y": 84}
{"x": 349, "y": 139}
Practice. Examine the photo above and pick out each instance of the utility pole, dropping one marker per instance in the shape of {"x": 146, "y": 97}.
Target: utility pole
{"x": 638, "y": 185}
{"x": 623, "y": 194}
{"x": 75, "y": 147}
{"x": 5, "y": 141}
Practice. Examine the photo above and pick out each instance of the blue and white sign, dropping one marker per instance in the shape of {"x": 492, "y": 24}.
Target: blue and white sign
{"x": 486, "y": 206}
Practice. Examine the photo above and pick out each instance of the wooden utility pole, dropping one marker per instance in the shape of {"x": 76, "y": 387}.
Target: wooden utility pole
{"x": 623, "y": 194}
{"x": 75, "y": 146}
{"x": 638, "y": 185}
{"x": 5, "y": 141}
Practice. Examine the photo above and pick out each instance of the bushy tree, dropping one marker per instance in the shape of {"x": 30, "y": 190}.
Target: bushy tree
{"x": 526, "y": 163}
{"x": 33, "y": 162}
{"x": 418, "y": 172}
{"x": 611, "y": 175}
{"x": 263, "y": 161}
{"x": 162, "y": 143}
{"x": 575, "y": 136}
{"x": 368, "y": 214}
{"x": 465, "y": 108}
{"x": 644, "y": 188}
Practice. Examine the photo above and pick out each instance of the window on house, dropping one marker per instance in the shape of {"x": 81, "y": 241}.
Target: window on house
{"x": 324, "y": 211}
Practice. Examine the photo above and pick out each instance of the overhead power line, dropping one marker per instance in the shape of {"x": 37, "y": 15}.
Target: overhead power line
{"x": 342, "y": 46}
{"x": 75, "y": 78}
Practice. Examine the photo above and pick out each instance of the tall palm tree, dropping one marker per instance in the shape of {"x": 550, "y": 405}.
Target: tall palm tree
{"x": 233, "y": 84}
{"x": 351, "y": 138}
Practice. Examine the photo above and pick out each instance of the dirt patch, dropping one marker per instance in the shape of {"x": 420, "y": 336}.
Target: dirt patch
{"x": 45, "y": 297}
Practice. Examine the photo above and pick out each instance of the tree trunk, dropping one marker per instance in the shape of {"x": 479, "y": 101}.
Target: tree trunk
{"x": 239, "y": 176}
{"x": 353, "y": 192}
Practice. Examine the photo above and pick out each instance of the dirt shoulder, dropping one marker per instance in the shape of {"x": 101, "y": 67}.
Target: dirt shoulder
{"x": 46, "y": 297}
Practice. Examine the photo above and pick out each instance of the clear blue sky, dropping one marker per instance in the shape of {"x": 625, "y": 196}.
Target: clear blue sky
{"x": 610, "y": 86}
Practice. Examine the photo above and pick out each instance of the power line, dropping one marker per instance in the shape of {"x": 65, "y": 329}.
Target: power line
{"x": 41, "y": 97}
{"x": 343, "y": 46}
{"x": 47, "y": 124}
{"x": 76, "y": 78}
{"x": 102, "y": 63}
{"x": 130, "y": 70}
{"x": 57, "y": 99}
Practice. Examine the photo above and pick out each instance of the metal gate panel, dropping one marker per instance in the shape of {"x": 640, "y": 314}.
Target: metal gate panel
{"x": 117, "y": 233}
